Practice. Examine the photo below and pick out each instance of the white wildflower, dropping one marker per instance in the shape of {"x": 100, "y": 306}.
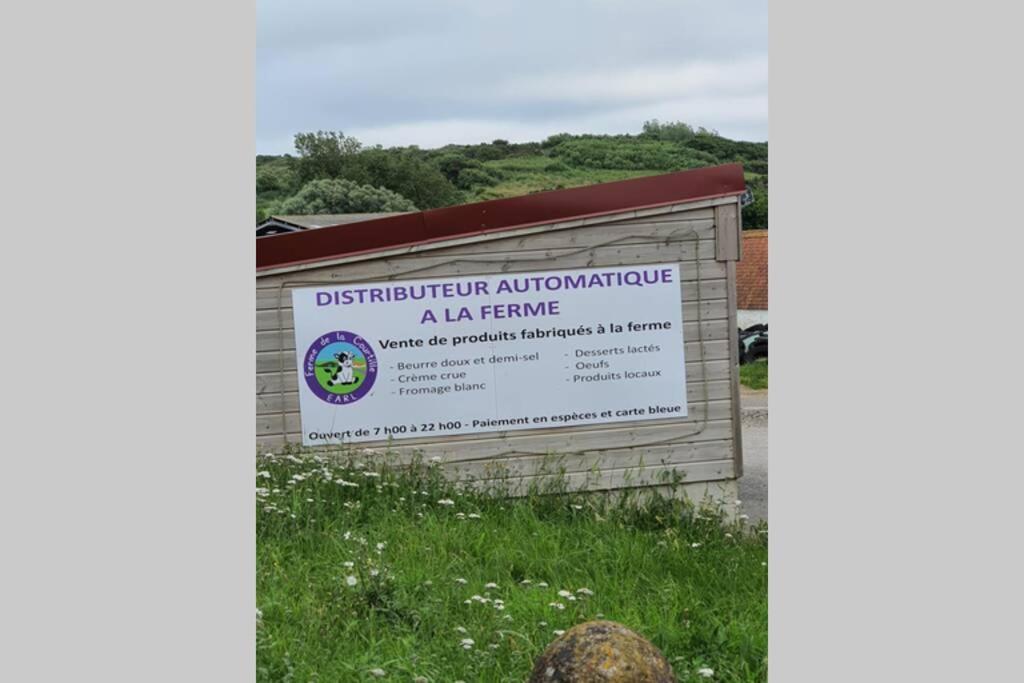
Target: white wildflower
{"x": 473, "y": 515}
{"x": 467, "y": 643}
{"x": 374, "y": 475}
{"x": 556, "y": 605}
{"x": 738, "y": 502}
{"x": 543, "y": 623}
{"x": 706, "y": 672}
{"x": 564, "y": 593}
{"x": 462, "y": 581}
{"x": 490, "y": 586}
{"x": 378, "y": 673}
{"x": 460, "y": 515}
{"x": 435, "y": 460}
{"x": 525, "y": 582}
{"x": 446, "y": 502}
{"x": 351, "y": 580}
{"x": 576, "y": 507}
{"x": 558, "y": 631}
{"x": 584, "y": 591}
{"x": 542, "y": 584}
{"x": 263, "y": 473}
{"x": 348, "y": 565}
{"x": 493, "y": 646}
{"x": 381, "y": 546}
{"x": 695, "y": 545}
{"x": 744, "y": 517}
{"x": 374, "y": 572}
{"x": 461, "y": 629}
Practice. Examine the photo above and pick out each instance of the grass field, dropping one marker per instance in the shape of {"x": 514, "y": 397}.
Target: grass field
{"x": 755, "y": 375}
{"x": 362, "y": 567}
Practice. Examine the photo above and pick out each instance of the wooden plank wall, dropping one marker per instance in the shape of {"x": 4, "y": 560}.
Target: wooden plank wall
{"x": 701, "y": 447}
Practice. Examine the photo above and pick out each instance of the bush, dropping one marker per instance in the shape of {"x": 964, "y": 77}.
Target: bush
{"x": 630, "y": 153}
{"x": 276, "y": 178}
{"x": 403, "y": 172}
{"x": 451, "y": 165}
{"x": 675, "y": 131}
{"x": 555, "y": 140}
{"x": 327, "y": 195}
{"x": 470, "y": 177}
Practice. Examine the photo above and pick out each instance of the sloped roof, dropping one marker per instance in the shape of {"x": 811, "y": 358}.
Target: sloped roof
{"x": 309, "y": 246}
{"x": 328, "y": 219}
{"x": 752, "y": 272}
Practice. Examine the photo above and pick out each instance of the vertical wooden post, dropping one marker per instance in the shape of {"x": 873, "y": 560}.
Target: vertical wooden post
{"x": 728, "y": 248}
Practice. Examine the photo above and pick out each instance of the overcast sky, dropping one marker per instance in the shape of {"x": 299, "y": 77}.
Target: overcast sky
{"x": 433, "y": 72}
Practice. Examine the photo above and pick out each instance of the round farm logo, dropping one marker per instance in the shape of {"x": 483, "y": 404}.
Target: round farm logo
{"x": 340, "y": 367}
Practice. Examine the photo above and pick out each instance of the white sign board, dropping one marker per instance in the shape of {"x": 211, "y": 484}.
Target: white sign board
{"x": 424, "y": 358}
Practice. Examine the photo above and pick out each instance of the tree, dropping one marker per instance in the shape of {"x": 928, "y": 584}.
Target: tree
{"x": 275, "y": 178}
{"x": 675, "y": 131}
{"x": 404, "y": 172}
{"x": 401, "y": 170}
{"x": 325, "y": 154}
{"x": 334, "y": 195}
{"x": 756, "y": 214}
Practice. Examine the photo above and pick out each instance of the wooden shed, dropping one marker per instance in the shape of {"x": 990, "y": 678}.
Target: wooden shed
{"x": 684, "y": 225}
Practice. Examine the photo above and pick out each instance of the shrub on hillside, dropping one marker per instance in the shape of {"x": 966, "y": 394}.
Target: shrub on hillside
{"x": 333, "y": 195}
{"x": 630, "y": 153}
{"x": 471, "y": 177}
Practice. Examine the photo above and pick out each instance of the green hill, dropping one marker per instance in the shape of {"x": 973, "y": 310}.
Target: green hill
{"x": 456, "y": 174}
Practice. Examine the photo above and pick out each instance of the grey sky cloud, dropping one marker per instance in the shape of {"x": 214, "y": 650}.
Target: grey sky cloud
{"x": 454, "y": 71}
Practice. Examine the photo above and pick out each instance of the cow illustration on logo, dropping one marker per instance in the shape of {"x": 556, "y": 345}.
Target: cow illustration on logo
{"x": 340, "y": 367}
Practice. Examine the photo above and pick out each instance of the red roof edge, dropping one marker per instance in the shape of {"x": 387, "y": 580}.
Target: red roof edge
{"x": 308, "y": 246}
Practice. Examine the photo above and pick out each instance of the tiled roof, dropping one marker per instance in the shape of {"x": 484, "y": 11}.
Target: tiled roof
{"x": 752, "y": 272}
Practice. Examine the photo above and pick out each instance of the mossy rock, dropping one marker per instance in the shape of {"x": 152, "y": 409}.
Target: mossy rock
{"x": 601, "y": 652}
